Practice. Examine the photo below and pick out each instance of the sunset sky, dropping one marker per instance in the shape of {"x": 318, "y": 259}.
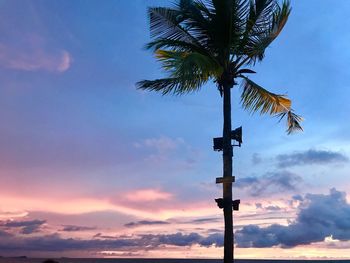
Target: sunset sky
{"x": 92, "y": 167}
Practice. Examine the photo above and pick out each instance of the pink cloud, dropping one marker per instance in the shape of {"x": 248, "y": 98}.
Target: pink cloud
{"x": 145, "y": 195}
{"x": 153, "y": 203}
{"x": 10, "y": 214}
{"x": 34, "y": 58}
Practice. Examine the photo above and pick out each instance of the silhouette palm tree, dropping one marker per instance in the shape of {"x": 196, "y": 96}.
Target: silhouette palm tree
{"x": 201, "y": 40}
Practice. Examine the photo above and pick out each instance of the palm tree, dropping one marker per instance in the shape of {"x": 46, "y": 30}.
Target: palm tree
{"x": 201, "y": 40}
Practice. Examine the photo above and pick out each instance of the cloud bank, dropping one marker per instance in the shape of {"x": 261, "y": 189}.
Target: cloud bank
{"x": 25, "y": 227}
{"x": 146, "y": 223}
{"x": 54, "y": 242}
{"x": 320, "y": 216}
{"x": 73, "y": 228}
{"x": 310, "y": 157}
{"x": 269, "y": 183}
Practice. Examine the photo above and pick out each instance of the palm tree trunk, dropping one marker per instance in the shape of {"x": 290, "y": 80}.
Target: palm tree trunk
{"x": 227, "y": 172}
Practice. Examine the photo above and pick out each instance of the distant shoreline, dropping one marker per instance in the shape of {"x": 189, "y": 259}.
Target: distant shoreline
{"x": 24, "y": 259}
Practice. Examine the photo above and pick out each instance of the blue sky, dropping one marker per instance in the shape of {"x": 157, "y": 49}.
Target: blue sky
{"x": 82, "y": 147}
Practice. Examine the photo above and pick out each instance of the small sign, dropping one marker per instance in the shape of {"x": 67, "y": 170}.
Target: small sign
{"x": 222, "y": 180}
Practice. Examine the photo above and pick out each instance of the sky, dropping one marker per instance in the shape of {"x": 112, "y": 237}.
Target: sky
{"x": 92, "y": 167}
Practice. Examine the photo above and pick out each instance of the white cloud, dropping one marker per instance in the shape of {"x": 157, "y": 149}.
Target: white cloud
{"x": 66, "y": 61}
{"x": 34, "y": 58}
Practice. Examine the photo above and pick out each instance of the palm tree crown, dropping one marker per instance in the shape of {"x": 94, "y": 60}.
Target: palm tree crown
{"x": 219, "y": 40}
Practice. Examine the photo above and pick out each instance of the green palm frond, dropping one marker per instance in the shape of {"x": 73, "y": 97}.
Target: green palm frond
{"x": 175, "y": 86}
{"x": 257, "y": 17}
{"x": 186, "y": 25}
{"x": 261, "y": 32}
{"x": 178, "y": 46}
{"x": 238, "y": 25}
{"x": 226, "y": 27}
{"x": 188, "y": 71}
{"x": 205, "y": 8}
{"x": 188, "y": 64}
{"x": 163, "y": 43}
{"x": 166, "y": 23}
{"x": 242, "y": 9}
{"x": 187, "y": 21}
{"x": 255, "y": 98}
{"x": 257, "y": 44}
{"x": 197, "y": 18}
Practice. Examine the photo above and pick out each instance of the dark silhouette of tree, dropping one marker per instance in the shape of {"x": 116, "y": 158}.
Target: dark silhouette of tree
{"x": 219, "y": 40}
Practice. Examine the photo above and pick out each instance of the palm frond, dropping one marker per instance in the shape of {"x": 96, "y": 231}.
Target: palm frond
{"x": 258, "y": 16}
{"x": 164, "y": 43}
{"x": 242, "y": 9}
{"x": 255, "y": 98}
{"x": 166, "y": 23}
{"x": 186, "y": 24}
{"x": 205, "y": 7}
{"x": 293, "y": 121}
{"x": 196, "y": 20}
{"x": 280, "y": 17}
{"x": 188, "y": 64}
{"x": 187, "y": 71}
{"x": 225, "y": 28}
{"x": 240, "y": 12}
{"x": 263, "y": 27}
{"x": 257, "y": 44}
{"x": 175, "y": 86}
{"x": 177, "y": 45}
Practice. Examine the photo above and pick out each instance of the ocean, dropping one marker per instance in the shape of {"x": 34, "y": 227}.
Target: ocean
{"x": 97, "y": 260}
